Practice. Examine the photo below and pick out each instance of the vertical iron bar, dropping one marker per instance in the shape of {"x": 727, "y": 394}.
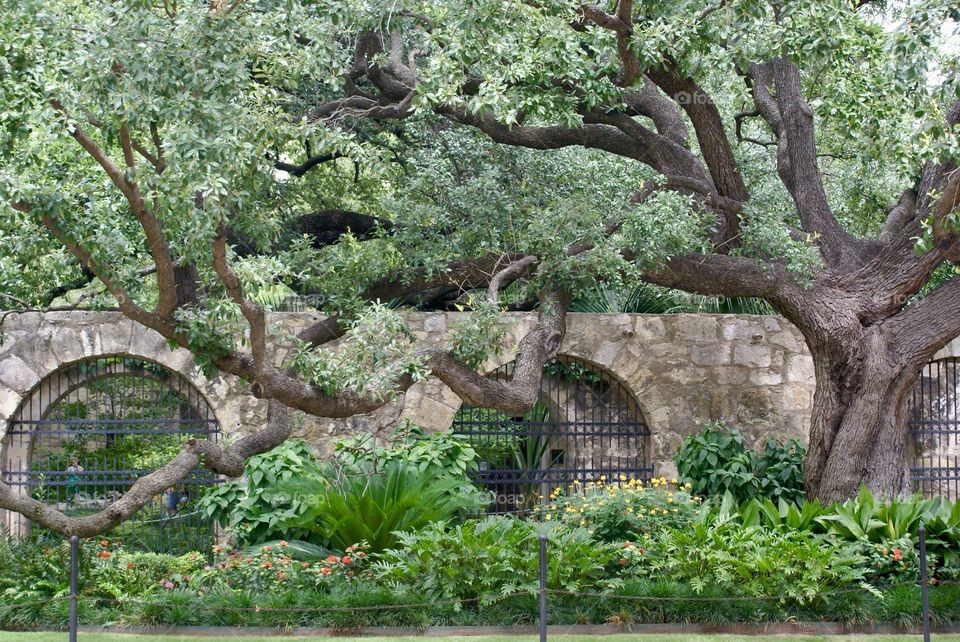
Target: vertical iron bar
{"x": 74, "y": 572}
{"x": 543, "y": 588}
{"x": 924, "y": 588}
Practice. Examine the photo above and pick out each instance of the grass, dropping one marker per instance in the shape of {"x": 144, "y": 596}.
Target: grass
{"x": 115, "y": 637}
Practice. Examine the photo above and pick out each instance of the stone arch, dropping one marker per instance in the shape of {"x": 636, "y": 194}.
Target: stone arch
{"x": 115, "y": 417}
{"x": 38, "y": 345}
{"x": 586, "y": 424}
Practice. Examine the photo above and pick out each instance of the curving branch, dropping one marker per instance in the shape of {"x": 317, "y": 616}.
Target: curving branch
{"x": 508, "y": 275}
{"x": 227, "y": 461}
{"x": 802, "y": 174}
{"x": 252, "y": 312}
{"x": 153, "y": 230}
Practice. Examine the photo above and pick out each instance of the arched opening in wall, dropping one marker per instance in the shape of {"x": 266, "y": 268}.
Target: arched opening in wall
{"x": 585, "y": 424}
{"x": 88, "y": 431}
{"x": 934, "y": 423}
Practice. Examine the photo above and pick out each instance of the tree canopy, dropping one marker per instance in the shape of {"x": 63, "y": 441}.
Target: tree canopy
{"x": 436, "y": 152}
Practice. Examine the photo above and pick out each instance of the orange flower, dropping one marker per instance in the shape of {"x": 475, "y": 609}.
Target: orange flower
{"x": 104, "y": 543}
{"x": 267, "y": 549}
{"x": 897, "y": 555}
{"x": 305, "y": 565}
{"x": 623, "y": 562}
{"x": 104, "y": 555}
{"x": 283, "y": 543}
{"x": 130, "y": 564}
{"x": 267, "y": 565}
{"x": 325, "y": 570}
{"x": 217, "y": 550}
{"x": 332, "y": 559}
{"x": 361, "y": 554}
{"x": 346, "y": 559}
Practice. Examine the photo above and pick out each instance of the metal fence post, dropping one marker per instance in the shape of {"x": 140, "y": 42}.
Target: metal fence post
{"x": 543, "y": 588}
{"x": 74, "y": 572}
{"x": 924, "y": 588}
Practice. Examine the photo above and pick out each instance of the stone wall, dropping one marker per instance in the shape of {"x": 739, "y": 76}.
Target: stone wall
{"x": 684, "y": 370}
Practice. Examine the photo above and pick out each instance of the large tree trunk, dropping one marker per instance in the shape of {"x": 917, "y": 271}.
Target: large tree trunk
{"x": 858, "y": 431}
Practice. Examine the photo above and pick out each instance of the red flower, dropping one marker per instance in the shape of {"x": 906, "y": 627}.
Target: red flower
{"x": 217, "y": 549}
{"x": 333, "y": 559}
{"x": 346, "y": 559}
{"x": 104, "y": 543}
{"x": 325, "y": 570}
{"x": 104, "y": 555}
{"x": 361, "y": 554}
{"x": 623, "y": 562}
{"x": 897, "y": 555}
{"x": 305, "y": 564}
{"x": 933, "y": 581}
{"x": 130, "y": 565}
{"x": 267, "y": 549}
{"x": 267, "y": 565}
{"x": 641, "y": 550}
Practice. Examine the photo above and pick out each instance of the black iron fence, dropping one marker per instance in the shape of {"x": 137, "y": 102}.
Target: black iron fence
{"x": 585, "y": 426}
{"x": 935, "y": 430}
{"x": 89, "y": 431}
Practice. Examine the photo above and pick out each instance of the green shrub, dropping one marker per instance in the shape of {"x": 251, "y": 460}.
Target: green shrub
{"x": 752, "y": 561}
{"x": 439, "y": 453}
{"x": 247, "y": 507}
{"x": 623, "y": 510}
{"x": 715, "y": 461}
{"x": 494, "y": 557}
{"x": 371, "y": 507}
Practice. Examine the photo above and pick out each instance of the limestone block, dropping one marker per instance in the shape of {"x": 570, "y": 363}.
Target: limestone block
{"x": 752, "y": 355}
{"x": 710, "y": 355}
{"x": 784, "y": 339}
{"x": 435, "y": 323}
{"x": 735, "y": 329}
{"x": 797, "y": 398}
{"x": 9, "y": 400}
{"x": 17, "y": 375}
{"x": 696, "y": 328}
{"x": 762, "y": 378}
{"x": 800, "y": 369}
{"x": 687, "y": 375}
{"x": 729, "y": 375}
{"x": 607, "y": 352}
{"x": 649, "y": 328}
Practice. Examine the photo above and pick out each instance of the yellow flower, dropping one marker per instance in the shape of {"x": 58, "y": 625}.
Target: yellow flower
{"x": 548, "y": 517}
{"x": 623, "y": 477}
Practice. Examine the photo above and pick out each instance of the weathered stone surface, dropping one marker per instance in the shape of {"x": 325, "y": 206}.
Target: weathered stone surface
{"x": 16, "y": 375}
{"x": 755, "y": 355}
{"x": 710, "y": 355}
{"x": 683, "y": 370}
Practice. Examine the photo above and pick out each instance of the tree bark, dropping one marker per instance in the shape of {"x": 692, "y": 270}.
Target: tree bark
{"x": 858, "y": 429}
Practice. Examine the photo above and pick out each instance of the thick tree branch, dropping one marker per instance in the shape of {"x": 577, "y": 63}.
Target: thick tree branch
{"x": 723, "y": 275}
{"x": 252, "y": 312}
{"x": 307, "y": 165}
{"x": 804, "y": 184}
{"x": 156, "y": 243}
{"x": 927, "y": 325}
{"x": 508, "y": 275}
{"x": 708, "y": 125}
{"x": 226, "y": 461}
